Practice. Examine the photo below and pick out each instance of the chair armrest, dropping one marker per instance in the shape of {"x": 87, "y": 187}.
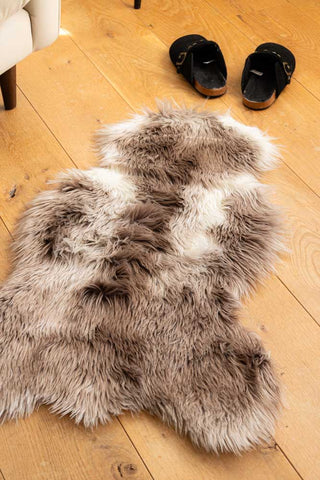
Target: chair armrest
{"x": 45, "y": 21}
{"x": 9, "y": 8}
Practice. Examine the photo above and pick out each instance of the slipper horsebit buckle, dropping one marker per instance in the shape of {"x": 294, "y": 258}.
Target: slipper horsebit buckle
{"x": 286, "y": 66}
{"x": 182, "y": 55}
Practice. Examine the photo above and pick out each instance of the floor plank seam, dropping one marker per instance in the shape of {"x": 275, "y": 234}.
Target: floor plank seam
{"x": 301, "y": 304}
{"x": 103, "y": 74}
{"x": 307, "y": 89}
{"x": 289, "y": 461}
{"x": 5, "y": 226}
{"x": 138, "y": 453}
{"x": 47, "y": 126}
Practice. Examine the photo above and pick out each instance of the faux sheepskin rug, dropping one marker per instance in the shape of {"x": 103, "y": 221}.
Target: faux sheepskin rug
{"x": 127, "y": 281}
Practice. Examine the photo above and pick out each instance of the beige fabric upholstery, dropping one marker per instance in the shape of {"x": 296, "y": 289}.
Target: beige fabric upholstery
{"x": 15, "y": 40}
{"x": 45, "y": 21}
{"x": 10, "y": 7}
{"x": 26, "y": 26}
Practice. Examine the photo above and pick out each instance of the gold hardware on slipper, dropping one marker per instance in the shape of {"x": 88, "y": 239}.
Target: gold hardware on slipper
{"x": 183, "y": 55}
{"x": 182, "y": 59}
{"x": 287, "y": 69}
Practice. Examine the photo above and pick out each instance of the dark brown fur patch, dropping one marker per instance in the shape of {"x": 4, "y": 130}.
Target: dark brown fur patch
{"x": 105, "y": 292}
{"x": 150, "y": 216}
{"x": 143, "y": 236}
{"x": 74, "y": 184}
{"x": 167, "y": 198}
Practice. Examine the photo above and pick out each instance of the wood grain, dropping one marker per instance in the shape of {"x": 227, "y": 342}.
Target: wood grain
{"x": 140, "y": 69}
{"x": 71, "y": 95}
{"x": 52, "y": 448}
{"x": 30, "y": 155}
{"x": 171, "y": 457}
{"x": 293, "y": 339}
{"x": 310, "y": 8}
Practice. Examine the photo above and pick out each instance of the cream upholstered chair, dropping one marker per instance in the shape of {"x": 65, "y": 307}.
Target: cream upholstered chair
{"x": 25, "y": 26}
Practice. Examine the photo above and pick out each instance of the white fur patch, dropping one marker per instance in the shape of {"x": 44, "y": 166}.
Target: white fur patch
{"x": 205, "y": 209}
{"x": 199, "y": 244}
{"x": 110, "y": 155}
{"x": 269, "y": 153}
{"x": 242, "y": 184}
{"x": 113, "y": 182}
{"x": 129, "y": 126}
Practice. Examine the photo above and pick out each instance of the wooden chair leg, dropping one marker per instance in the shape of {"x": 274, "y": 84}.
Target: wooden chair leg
{"x": 137, "y": 4}
{"x": 8, "y": 88}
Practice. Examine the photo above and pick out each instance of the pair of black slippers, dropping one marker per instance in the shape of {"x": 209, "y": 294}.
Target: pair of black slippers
{"x": 266, "y": 71}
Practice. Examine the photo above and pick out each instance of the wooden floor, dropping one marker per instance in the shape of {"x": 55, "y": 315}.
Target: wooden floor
{"x": 109, "y": 61}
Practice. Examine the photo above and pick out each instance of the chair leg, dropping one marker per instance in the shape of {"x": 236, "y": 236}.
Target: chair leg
{"x": 137, "y": 4}
{"x": 8, "y": 88}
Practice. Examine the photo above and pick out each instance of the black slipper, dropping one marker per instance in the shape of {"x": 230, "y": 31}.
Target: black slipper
{"x": 266, "y": 73}
{"x": 201, "y": 62}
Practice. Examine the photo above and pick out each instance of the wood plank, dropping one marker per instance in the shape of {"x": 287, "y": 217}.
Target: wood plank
{"x": 173, "y": 457}
{"x": 71, "y": 95}
{"x": 30, "y": 155}
{"x": 44, "y": 446}
{"x": 310, "y": 8}
{"x": 129, "y": 55}
{"x": 294, "y": 341}
{"x": 300, "y": 269}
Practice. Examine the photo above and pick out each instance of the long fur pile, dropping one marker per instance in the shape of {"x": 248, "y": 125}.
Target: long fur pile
{"x": 127, "y": 279}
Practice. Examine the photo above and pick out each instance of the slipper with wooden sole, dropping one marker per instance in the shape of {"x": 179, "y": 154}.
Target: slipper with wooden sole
{"x": 201, "y": 63}
{"x": 266, "y": 73}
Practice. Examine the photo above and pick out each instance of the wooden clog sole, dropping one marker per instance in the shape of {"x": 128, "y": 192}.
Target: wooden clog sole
{"x": 210, "y": 92}
{"x": 259, "y": 105}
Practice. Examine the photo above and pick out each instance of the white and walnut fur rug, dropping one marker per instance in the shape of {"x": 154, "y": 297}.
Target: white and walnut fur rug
{"x": 127, "y": 279}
